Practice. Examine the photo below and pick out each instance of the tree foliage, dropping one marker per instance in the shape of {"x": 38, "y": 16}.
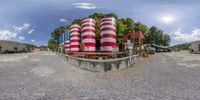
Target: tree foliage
{"x": 51, "y": 44}
{"x": 184, "y": 46}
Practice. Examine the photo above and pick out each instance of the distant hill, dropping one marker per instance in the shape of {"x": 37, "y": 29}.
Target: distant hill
{"x": 15, "y": 47}
{"x": 43, "y": 46}
{"x": 184, "y": 46}
{"x": 18, "y": 43}
{"x": 30, "y": 45}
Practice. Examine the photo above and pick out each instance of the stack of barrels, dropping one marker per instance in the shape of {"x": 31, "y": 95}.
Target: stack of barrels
{"x": 75, "y": 38}
{"x": 108, "y": 34}
{"x": 88, "y": 35}
{"x": 67, "y": 42}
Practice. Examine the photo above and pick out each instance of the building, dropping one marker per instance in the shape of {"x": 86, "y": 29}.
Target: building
{"x": 12, "y": 47}
{"x": 195, "y": 47}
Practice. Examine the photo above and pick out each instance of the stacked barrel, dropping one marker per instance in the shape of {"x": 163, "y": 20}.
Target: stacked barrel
{"x": 108, "y": 34}
{"x": 67, "y": 42}
{"x": 88, "y": 35}
{"x": 75, "y": 38}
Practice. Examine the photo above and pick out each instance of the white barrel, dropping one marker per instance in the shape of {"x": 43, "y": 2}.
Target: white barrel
{"x": 75, "y": 38}
{"x": 67, "y": 41}
{"x": 108, "y": 34}
{"x": 88, "y": 35}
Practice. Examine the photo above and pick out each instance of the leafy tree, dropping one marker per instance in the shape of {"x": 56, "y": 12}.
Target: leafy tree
{"x": 184, "y": 46}
{"x": 51, "y": 44}
{"x": 166, "y": 40}
{"x": 129, "y": 25}
{"x": 144, "y": 29}
{"x": 152, "y": 34}
{"x": 77, "y": 21}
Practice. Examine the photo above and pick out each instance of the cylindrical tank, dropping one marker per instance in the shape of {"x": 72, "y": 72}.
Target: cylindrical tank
{"x": 75, "y": 38}
{"x": 108, "y": 34}
{"x": 67, "y": 42}
{"x": 88, "y": 35}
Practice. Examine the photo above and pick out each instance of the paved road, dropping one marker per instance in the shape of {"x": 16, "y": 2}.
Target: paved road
{"x": 44, "y": 76}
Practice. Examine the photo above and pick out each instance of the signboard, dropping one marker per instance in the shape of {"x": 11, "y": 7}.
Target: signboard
{"x": 67, "y": 35}
{"x": 62, "y": 38}
{"x": 130, "y": 46}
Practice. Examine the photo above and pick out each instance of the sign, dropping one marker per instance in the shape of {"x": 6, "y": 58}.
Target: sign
{"x": 130, "y": 46}
{"x": 115, "y": 49}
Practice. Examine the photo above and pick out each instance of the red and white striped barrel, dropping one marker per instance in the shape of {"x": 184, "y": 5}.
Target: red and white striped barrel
{"x": 67, "y": 46}
{"x": 108, "y": 34}
{"x": 88, "y": 34}
{"x": 75, "y": 38}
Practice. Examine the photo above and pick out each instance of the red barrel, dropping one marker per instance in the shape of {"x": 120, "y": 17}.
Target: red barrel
{"x": 108, "y": 34}
{"x": 75, "y": 38}
{"x": 67, "y": 46}
{"x": 88, "y": 35}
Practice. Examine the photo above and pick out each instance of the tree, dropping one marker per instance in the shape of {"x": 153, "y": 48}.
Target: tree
{"x": 77, "y": 21}
{"x": 120, "y": 26}
{"x": 166, "y": 40}
{"x": 159, "y": 37}
{"x": 51, "y": 44}
{"x": 145, "y": 30}
{"x": 129, "y": 25}
{"x": 152, "y": 34}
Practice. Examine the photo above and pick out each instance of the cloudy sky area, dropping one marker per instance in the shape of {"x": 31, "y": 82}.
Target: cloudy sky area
{"x": 33, "y": 20}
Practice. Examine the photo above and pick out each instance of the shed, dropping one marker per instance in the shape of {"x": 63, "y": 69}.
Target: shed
{"x": 195, "y": 47}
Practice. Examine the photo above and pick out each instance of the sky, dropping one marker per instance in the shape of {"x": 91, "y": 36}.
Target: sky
{"x": 32, "y": 21}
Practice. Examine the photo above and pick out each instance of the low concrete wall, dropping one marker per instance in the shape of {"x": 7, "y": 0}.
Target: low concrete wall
{"x": 101, "y": 65}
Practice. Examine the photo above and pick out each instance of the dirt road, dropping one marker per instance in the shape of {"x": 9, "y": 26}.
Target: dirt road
{"x": 44, "y": 76}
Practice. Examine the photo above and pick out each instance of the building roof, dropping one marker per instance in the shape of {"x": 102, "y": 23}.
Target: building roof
{"x": 135, "y": 35}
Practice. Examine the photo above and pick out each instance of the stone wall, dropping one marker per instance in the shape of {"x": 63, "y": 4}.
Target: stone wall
{"x": 101, "y": 65}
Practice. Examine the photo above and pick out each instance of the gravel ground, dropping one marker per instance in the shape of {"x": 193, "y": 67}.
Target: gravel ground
{"x": 45, "y": 76}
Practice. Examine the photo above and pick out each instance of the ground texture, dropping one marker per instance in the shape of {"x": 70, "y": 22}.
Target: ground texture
{"x": 45, "y": 76}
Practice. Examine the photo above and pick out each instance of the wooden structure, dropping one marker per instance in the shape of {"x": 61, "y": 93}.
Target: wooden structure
{"x": 136, "y": 37}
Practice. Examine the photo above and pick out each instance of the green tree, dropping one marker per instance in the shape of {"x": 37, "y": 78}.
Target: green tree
{"x": 121, "y": 27}
{"x": 152, "y": 34}
{"x": 77, "y": 21}
{"x": 166, "y": 40}
{"x": 130, "y": 25}
{"x": 145, "y": 30}
{"x": 51, "y": 44}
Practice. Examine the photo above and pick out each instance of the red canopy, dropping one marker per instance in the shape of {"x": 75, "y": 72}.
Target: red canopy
{"x": 135, "y": 35}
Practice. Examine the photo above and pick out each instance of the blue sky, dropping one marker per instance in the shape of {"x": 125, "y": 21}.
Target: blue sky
{"x": 33, "y": 20}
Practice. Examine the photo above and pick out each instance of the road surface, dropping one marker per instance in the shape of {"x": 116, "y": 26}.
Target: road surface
{"x": 45, "y": 76}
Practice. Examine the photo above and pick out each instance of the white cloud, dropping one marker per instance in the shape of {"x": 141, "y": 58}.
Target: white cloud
{"x": 32, "y": 40}
{"x": 7, "y": 35}
{"x": 22, "y": 27}
{"x": 12, "y": 36}
{"x": 63, "y": 20}
{"x": 29, "y": 32}
{"x": 185, "y": 37}
{"x": 21, "y": 38}
{"x": 85, "y": 5}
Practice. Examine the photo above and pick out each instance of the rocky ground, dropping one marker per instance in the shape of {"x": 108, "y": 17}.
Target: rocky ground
{"x": 45, "y": 76}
